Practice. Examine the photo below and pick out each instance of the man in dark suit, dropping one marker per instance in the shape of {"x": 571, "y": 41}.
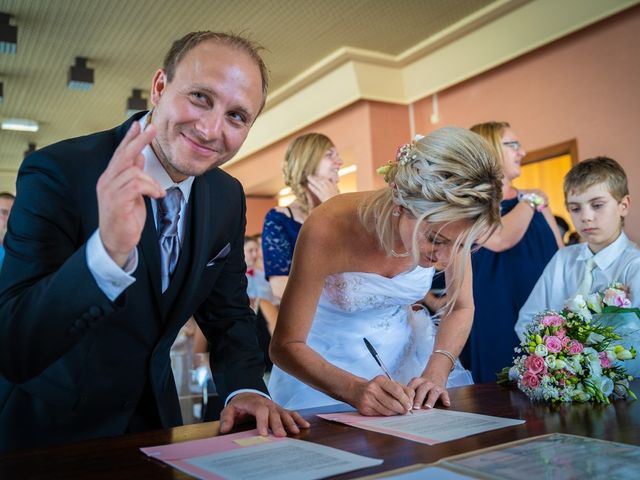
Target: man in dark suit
{"x": 91, "y": 300}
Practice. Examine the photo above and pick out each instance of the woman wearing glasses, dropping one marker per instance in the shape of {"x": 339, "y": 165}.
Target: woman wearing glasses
{"x": 510, "y": 262}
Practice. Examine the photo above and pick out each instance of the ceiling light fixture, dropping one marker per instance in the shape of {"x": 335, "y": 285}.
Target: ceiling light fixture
{"x": 8, "y": 35}
{"x": 80, "y": 77}
{"x": 20, "y": 125}
{"x": 135, "y": 103}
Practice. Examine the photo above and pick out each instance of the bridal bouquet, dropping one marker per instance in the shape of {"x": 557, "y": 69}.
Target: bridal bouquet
{"x": 573, "y": 356}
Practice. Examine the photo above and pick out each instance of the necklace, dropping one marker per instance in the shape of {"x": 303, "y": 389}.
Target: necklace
{"x": 399, "y": 255}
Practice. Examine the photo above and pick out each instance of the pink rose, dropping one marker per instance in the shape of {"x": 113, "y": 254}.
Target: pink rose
{"x": 535, "y": 364}
{"x": 552, "y": 320}
{"x": 557, "y": 321}
{"x": 604, "y": 360}
{"x": 530, "y": 380}
{"x": 561, "y": 333}
{"x": 575, "y": 347}
{"x": 565, "y": 341}
{"x": 616, "y": 298}
{"x": 553, "y": 343}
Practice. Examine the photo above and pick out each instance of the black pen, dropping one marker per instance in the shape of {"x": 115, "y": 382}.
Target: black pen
{"x": 379, "y": 361}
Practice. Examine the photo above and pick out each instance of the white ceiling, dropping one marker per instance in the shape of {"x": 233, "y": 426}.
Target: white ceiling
{"x": 125, "y": 41}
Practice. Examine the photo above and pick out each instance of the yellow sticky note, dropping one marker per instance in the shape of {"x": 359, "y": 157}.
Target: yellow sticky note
{"x": 247, "y": 442}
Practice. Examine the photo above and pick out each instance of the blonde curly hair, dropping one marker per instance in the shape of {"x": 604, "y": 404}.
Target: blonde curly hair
{"x": 450, "y": 175}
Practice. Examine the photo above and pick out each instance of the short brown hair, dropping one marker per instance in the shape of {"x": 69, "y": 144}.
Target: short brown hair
{"x": 597, "y": 170}
{"x": 191, "y": 40}
{"x": 7, "y": 195}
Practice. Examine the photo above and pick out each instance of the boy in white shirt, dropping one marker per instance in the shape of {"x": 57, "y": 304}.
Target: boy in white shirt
{"x": 597, "y": 197}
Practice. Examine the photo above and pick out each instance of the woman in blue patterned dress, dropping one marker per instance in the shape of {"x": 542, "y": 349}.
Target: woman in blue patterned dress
{"x": 510, "y": 262}
{"x": 310, "y": 169}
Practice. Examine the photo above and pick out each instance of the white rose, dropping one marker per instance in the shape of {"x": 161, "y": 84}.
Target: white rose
{"x": 604, "y": 384}
{"x": 541, "y": 350}
{"x": 624, "y": 355}
{"x": 594, "y": 302}
{"x": 550, "y": 361}
{"x": 591, "y": 354}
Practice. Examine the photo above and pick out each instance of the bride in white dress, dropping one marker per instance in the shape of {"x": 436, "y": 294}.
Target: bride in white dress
{"x": 362, "y": 259}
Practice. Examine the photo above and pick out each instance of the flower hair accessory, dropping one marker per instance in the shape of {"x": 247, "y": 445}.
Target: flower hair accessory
{"x": 403, "y": 156}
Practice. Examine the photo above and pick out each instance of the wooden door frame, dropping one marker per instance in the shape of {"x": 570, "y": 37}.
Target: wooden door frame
{"x": 570, "y": 147}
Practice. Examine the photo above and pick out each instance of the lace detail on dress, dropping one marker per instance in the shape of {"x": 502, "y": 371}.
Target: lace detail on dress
{"x": 347, "y": 294}
{"x": 354, "y": 305}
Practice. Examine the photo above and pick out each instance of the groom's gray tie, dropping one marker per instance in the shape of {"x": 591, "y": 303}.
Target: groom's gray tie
{"x": 168, "y": 216}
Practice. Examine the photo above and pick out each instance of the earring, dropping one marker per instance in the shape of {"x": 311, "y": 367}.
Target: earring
{"x": 396, "y": 212}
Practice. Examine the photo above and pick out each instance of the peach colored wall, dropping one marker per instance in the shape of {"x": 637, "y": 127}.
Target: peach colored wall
{"x": 366, "y": 134}
{"x": 389, "y": 129}
{"x": 584, "y": 86}
{"x": 347, "y": 128}
{"x": 257, "y": 208}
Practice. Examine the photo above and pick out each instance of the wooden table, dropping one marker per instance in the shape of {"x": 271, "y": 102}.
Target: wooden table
{"x": 120, "y": 457}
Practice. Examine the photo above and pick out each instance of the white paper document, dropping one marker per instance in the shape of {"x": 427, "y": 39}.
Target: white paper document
{"x": 426, "y": 426}
{"x": 288, "y": 459}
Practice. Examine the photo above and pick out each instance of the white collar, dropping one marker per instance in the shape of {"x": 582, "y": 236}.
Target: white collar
{"x": 155, "y": 170}
{"x": 605, "y": 257}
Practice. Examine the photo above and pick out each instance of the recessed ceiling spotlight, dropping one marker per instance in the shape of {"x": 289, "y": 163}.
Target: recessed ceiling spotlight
{"x": 80, "y": 76}
{"x": 8, "y": 35}
{"x": 135, "y": 103}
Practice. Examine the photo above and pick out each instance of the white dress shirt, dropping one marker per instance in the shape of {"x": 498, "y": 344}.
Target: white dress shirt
{"x": 112, "y": 279}
{"x": 619, "y": 262}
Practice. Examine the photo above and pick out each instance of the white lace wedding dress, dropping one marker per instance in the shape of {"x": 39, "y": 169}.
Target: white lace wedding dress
{"x": 355, "y": 305}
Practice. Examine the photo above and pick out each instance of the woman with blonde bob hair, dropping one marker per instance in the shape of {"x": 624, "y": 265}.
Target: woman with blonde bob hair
{"x": 519, "y": 250}
{"x": 362, "y": 259}
{"x": 311, "y": 171}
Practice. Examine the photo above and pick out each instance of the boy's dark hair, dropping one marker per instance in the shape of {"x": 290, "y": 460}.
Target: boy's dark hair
{"x": 597, "y": 170}
{"x": 7, "y": 195}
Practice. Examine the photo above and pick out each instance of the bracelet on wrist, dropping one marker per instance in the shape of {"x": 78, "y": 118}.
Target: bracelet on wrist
{"x": 534, "y": 200}
{"x": 449, "y": 355}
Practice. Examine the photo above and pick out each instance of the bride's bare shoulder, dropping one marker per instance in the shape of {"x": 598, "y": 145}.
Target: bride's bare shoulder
{"x": 337, "y": 220}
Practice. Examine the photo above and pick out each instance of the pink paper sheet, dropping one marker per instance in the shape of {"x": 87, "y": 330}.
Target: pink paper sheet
{"x": 176, "y": 454}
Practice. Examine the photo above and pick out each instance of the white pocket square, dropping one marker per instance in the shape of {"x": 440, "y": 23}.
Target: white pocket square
{"x": 221, "y": 254}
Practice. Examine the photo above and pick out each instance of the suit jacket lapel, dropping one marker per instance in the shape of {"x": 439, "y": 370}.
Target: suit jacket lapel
{"x": 201, "y": 230}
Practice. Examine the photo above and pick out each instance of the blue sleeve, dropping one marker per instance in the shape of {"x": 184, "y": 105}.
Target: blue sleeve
{"x": 277, "y": 244}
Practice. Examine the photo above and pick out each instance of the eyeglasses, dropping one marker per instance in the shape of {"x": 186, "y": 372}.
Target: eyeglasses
{"x": 514, "y": 145}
